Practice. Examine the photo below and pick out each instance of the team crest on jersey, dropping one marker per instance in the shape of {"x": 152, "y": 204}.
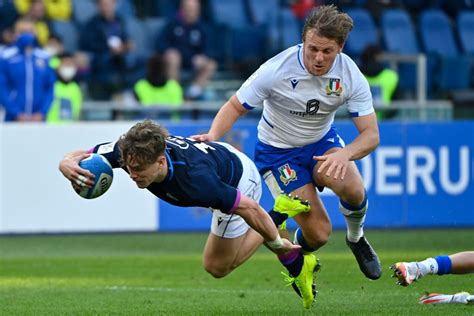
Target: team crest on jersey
{"x": 334, "y": 87}
{"x": 287, "y": 174}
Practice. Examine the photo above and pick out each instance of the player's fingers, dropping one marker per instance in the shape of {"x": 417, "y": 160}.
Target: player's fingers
{"x": 201, "y": 138}
{"x": 330, "y": 170}
{"x": 337, "y": 172}
{"x": 343, "y": 172}
{"x": 323, "y": 166}
{"x": 320, "y": 158}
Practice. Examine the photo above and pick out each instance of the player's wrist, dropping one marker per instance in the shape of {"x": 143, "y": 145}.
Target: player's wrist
{"x": 276, "y": 244}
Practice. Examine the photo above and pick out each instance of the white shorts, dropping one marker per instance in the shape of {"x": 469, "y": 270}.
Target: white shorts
{"x": 250, "y": 185}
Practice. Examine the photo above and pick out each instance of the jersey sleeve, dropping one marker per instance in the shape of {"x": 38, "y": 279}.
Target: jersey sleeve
{"x": 110, "y": 151}
{"x": 256, "y": 88}
{"x": 359, "y": 102}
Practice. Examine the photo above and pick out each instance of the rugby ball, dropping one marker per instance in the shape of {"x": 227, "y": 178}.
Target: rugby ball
{"x": 101, "y": 168}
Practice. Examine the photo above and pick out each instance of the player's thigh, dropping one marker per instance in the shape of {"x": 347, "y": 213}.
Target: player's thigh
{"x": 220, "y": 253}
{"x": 316, "y": 222}
{"x": 351, "y": 189}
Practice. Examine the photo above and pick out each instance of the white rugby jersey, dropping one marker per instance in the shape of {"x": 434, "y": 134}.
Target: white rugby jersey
{"x": 298, "y": 107}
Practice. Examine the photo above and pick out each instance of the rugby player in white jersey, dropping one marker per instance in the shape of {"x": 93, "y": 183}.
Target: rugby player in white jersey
{"x": 298, "y": 150}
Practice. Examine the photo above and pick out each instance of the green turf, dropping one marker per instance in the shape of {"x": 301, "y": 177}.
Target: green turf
{"x": 161, "y": 274}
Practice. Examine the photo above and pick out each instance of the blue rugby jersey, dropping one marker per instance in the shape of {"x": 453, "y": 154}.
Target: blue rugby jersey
{"x": 204, "y": 174}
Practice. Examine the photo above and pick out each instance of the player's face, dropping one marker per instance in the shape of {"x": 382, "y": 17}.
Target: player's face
{"x": 144, "y": 175}
{"x": 319, "y": 53}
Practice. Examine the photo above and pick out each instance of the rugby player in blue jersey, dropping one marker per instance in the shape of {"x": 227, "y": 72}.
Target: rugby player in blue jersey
{"x": 186, "y": 172}
{"x": 298, "y": 149}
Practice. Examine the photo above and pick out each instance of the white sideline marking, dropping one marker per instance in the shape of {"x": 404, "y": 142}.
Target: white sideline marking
{"x": 166, "y": 289}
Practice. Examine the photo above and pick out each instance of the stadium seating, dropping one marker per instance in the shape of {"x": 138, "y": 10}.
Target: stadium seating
{"x": 83, "y": 10}
{"x": 265, "y": 15}
{"x": 68, "y": 33}
{"x": 138, "y": 33}
{"x": 399, "y": 37}
{"x": 165, "y": 8}
{"x": 229, "y": 13}
{"x": 465, "y": 27}
{"x": 439, "y": 43}
{"x": 398, "y": 32}
{"x": 243, "y": 41}
{"x": 153, "y": 28}
{"x": 363, "y": 33}
{"x": 263, "y": 12}
{"x": 289, "y": 29}
{"x": 125, "y": 8}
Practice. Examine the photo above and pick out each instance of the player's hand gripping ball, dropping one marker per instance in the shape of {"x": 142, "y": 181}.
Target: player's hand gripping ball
{"x": 101, "y": 168}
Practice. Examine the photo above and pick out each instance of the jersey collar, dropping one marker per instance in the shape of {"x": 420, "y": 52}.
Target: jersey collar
{"x": 170, "y": 174}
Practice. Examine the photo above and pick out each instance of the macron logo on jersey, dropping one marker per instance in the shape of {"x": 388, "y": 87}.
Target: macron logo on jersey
{"x": 294, "y": 82}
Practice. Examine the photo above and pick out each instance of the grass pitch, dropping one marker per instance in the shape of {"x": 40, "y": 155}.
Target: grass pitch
{"x": 162, "y": 274}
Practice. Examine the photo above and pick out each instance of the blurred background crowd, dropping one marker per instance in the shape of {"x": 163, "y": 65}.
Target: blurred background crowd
{"x": 59, "y": 58}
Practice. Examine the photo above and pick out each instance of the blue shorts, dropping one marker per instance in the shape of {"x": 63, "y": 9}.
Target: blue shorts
{"x": 293, "y": 167}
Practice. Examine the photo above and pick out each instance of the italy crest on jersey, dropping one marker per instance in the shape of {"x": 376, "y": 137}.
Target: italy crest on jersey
{"x": 287, "y": 174}
{"x": 334, "y": 87}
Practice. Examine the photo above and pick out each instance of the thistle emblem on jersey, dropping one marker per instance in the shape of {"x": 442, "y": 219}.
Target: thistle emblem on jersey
{"x": 287, "y": 174}
{"x": 334, "y": 87}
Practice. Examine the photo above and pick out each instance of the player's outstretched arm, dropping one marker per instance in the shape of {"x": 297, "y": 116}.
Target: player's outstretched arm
{"x": 262, "y": 223}
{"x": 225, "y": 118}
{"x": 69, "y": 167}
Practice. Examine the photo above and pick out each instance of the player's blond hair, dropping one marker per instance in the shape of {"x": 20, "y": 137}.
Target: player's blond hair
{"x": 143, "y": 143}
{"x": 328, "y": 22}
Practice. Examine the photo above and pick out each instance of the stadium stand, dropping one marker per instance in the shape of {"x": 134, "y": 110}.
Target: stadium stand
{"x": 399, "y": 37}
{"x": 465, "y": 28}
{"x": 243, "y": 33}
{"x": 68, "y": 32}
{"x": 365, "y": 32}
{"x": 452, "y": 71}
{"x": 83, "y": 10}
{"x": 289, "y": 29}
{"x": 245, "y": 41}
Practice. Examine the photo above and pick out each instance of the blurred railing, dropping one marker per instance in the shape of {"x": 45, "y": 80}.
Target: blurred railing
{"x": 420, "y": 62}
{"x": 399, "y": 110}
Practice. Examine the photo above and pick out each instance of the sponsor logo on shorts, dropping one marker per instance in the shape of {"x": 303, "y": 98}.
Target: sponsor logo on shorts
{"x": 287, "y": 174}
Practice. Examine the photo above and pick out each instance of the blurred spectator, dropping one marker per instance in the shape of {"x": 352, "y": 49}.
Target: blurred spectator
{"x": 301, "y": 8}
{"x": 37, "y": 13}
{"x": 58, "y": 9}
{"x": 383, "y": 81}
{"x": 156, "y": 88}
{"x": 8, "y": 16}
{"x": 106, "y": 39}
{"x": 185, "y": 43}
{"x": 55, "y": 9}
{"x": 67, "y": 101}
{"x": 26, "y": 79}
{"x": 54, "y": 45}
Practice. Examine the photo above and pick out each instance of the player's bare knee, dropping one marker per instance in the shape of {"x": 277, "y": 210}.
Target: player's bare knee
{"x": 216, "y": 271}
{"x": 354, "y": 195}
{"x": 319, "y": 238}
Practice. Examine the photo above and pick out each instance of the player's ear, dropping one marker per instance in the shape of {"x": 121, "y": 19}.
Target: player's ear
{"x": 162, "y": 159}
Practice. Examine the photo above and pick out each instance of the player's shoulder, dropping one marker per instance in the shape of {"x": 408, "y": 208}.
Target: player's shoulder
{"x": 347, "y": 63}
{"x": 287, "y": 61}
{"x": 9, "y": 52}
{"x": 41, "y": 53}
